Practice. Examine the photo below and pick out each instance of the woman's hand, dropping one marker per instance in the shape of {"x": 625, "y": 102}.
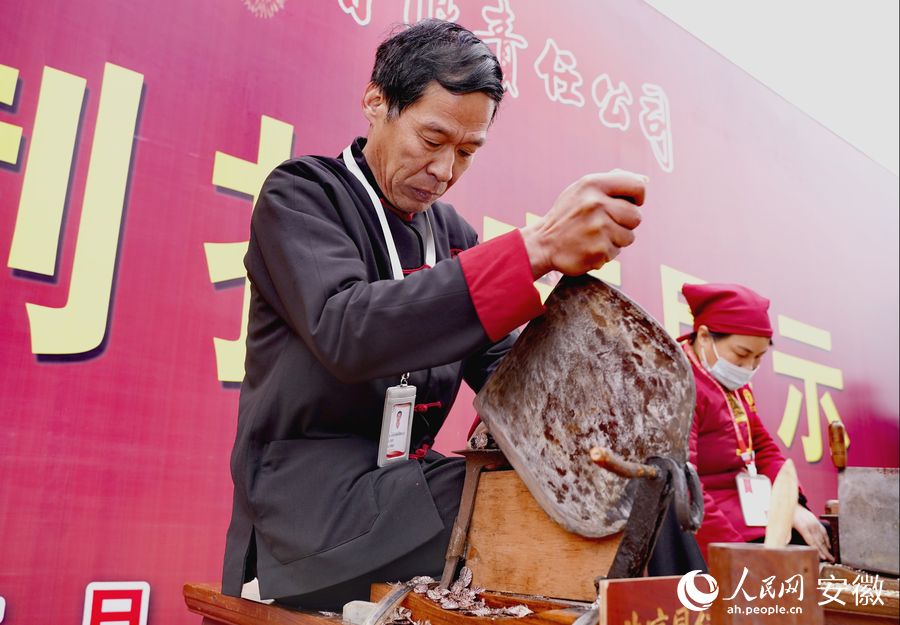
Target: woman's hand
{"x": 813, "y": 532}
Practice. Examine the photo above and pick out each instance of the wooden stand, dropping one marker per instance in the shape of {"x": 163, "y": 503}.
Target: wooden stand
{"x": 743, "y": 569}
{"x": 847, "y": 609}
{"x": 218, "y": 609}
{"x": 514, "y": 547}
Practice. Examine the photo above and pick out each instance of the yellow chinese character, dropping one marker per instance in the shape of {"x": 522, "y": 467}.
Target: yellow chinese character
{"x": 813, "y": 374}
{"x": 10, "y": 135}
{"x": 225, "y": 261}
{"x": 634, "y": 620}
{"x": 80, "y": 326}
{"x": 676, "y": 312}
{"x": 661, "y": 618}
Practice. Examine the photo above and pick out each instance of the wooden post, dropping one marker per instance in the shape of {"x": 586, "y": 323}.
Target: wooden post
{"x": 513, "y": 546}
{"x": 759, "y": 585}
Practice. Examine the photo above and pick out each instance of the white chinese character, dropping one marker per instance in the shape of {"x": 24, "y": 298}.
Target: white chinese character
{"x": 264, "y": 8}
{"x": 656, "y": 125}
{"x": 120, "y": 602}
{"x": 360, "y": 10}
{"x": 867, "y": 590}
{"x": 766, "y": 587}
{"x": 557, "y": 69}
{"x": 499, "y": 33}
{"x": 430, "y": 9}
{"x": 740, "y": 585}
{"x": 830, "y": 584}
{"x": 787, "y": 588}
{"x": 613, "y": 102}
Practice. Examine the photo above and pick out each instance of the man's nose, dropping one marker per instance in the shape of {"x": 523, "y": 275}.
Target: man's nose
{"x": 441, "y": 165}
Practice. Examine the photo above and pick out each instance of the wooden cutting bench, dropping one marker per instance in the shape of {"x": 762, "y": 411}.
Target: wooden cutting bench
{"x": 218, "y": 609}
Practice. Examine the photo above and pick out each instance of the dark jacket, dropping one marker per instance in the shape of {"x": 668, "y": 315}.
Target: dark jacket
{"x": 329, "y": 331}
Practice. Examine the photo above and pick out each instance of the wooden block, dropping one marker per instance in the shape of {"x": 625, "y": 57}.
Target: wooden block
{"x": 515, "y": 547}
{"x": 745, "y": 592}
{"x": 643, "y": 600}
{"x": 218, "y": 609}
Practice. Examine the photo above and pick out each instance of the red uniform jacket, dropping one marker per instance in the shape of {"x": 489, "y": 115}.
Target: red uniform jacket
{"x": 714, "y": 451}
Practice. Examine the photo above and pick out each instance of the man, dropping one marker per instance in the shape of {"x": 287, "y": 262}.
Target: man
{"x": 334, "y": 325}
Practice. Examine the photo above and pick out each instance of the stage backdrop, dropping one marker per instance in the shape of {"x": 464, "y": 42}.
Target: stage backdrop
{"x": 134, "y": 136}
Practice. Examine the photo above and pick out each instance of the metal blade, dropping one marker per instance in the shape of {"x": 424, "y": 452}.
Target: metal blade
{"x": 594, "y": 371}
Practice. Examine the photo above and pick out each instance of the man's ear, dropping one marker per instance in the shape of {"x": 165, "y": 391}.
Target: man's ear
{"x": 374, "y": 104}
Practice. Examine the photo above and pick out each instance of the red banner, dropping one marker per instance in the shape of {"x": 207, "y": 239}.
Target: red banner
{"x": 134, "y": 136}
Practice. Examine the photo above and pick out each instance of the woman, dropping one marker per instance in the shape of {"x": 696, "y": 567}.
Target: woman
{"x": 731, "y": 335}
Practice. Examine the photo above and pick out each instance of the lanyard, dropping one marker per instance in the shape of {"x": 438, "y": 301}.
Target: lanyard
{"x": 733, "y": 402}
{"x": 396, "y": 269}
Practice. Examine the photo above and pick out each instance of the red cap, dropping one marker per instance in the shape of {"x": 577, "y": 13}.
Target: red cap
{"x": 728, "y": 308}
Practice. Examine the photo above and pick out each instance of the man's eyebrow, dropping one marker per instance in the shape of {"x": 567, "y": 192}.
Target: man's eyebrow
{"x": 435, "y": 127}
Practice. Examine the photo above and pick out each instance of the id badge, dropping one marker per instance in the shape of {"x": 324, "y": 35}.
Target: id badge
{"x": 396, "y": 424}
{"x": 754, "y": 492}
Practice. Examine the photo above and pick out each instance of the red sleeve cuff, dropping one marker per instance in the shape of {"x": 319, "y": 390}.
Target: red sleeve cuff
{"x": 498, "y": 274}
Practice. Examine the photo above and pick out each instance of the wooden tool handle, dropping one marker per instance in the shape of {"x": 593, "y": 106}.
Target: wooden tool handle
{"x": 837, "y": 442}
{"x": 609, "y": 460}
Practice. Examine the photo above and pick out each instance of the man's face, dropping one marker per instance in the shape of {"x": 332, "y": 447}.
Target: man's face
{"x": 417, "y": 155}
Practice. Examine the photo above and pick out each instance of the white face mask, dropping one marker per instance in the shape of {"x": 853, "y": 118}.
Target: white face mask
{"x": 726, "y": 373}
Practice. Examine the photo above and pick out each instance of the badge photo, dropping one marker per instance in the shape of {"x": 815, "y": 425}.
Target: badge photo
{"x": 396, "y": 424}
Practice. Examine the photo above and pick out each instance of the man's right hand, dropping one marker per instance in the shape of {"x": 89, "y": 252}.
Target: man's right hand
{"x": 588, "y": 225}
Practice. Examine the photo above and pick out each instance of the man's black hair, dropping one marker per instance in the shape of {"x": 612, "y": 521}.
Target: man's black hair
{"x": 434, "y": 50}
